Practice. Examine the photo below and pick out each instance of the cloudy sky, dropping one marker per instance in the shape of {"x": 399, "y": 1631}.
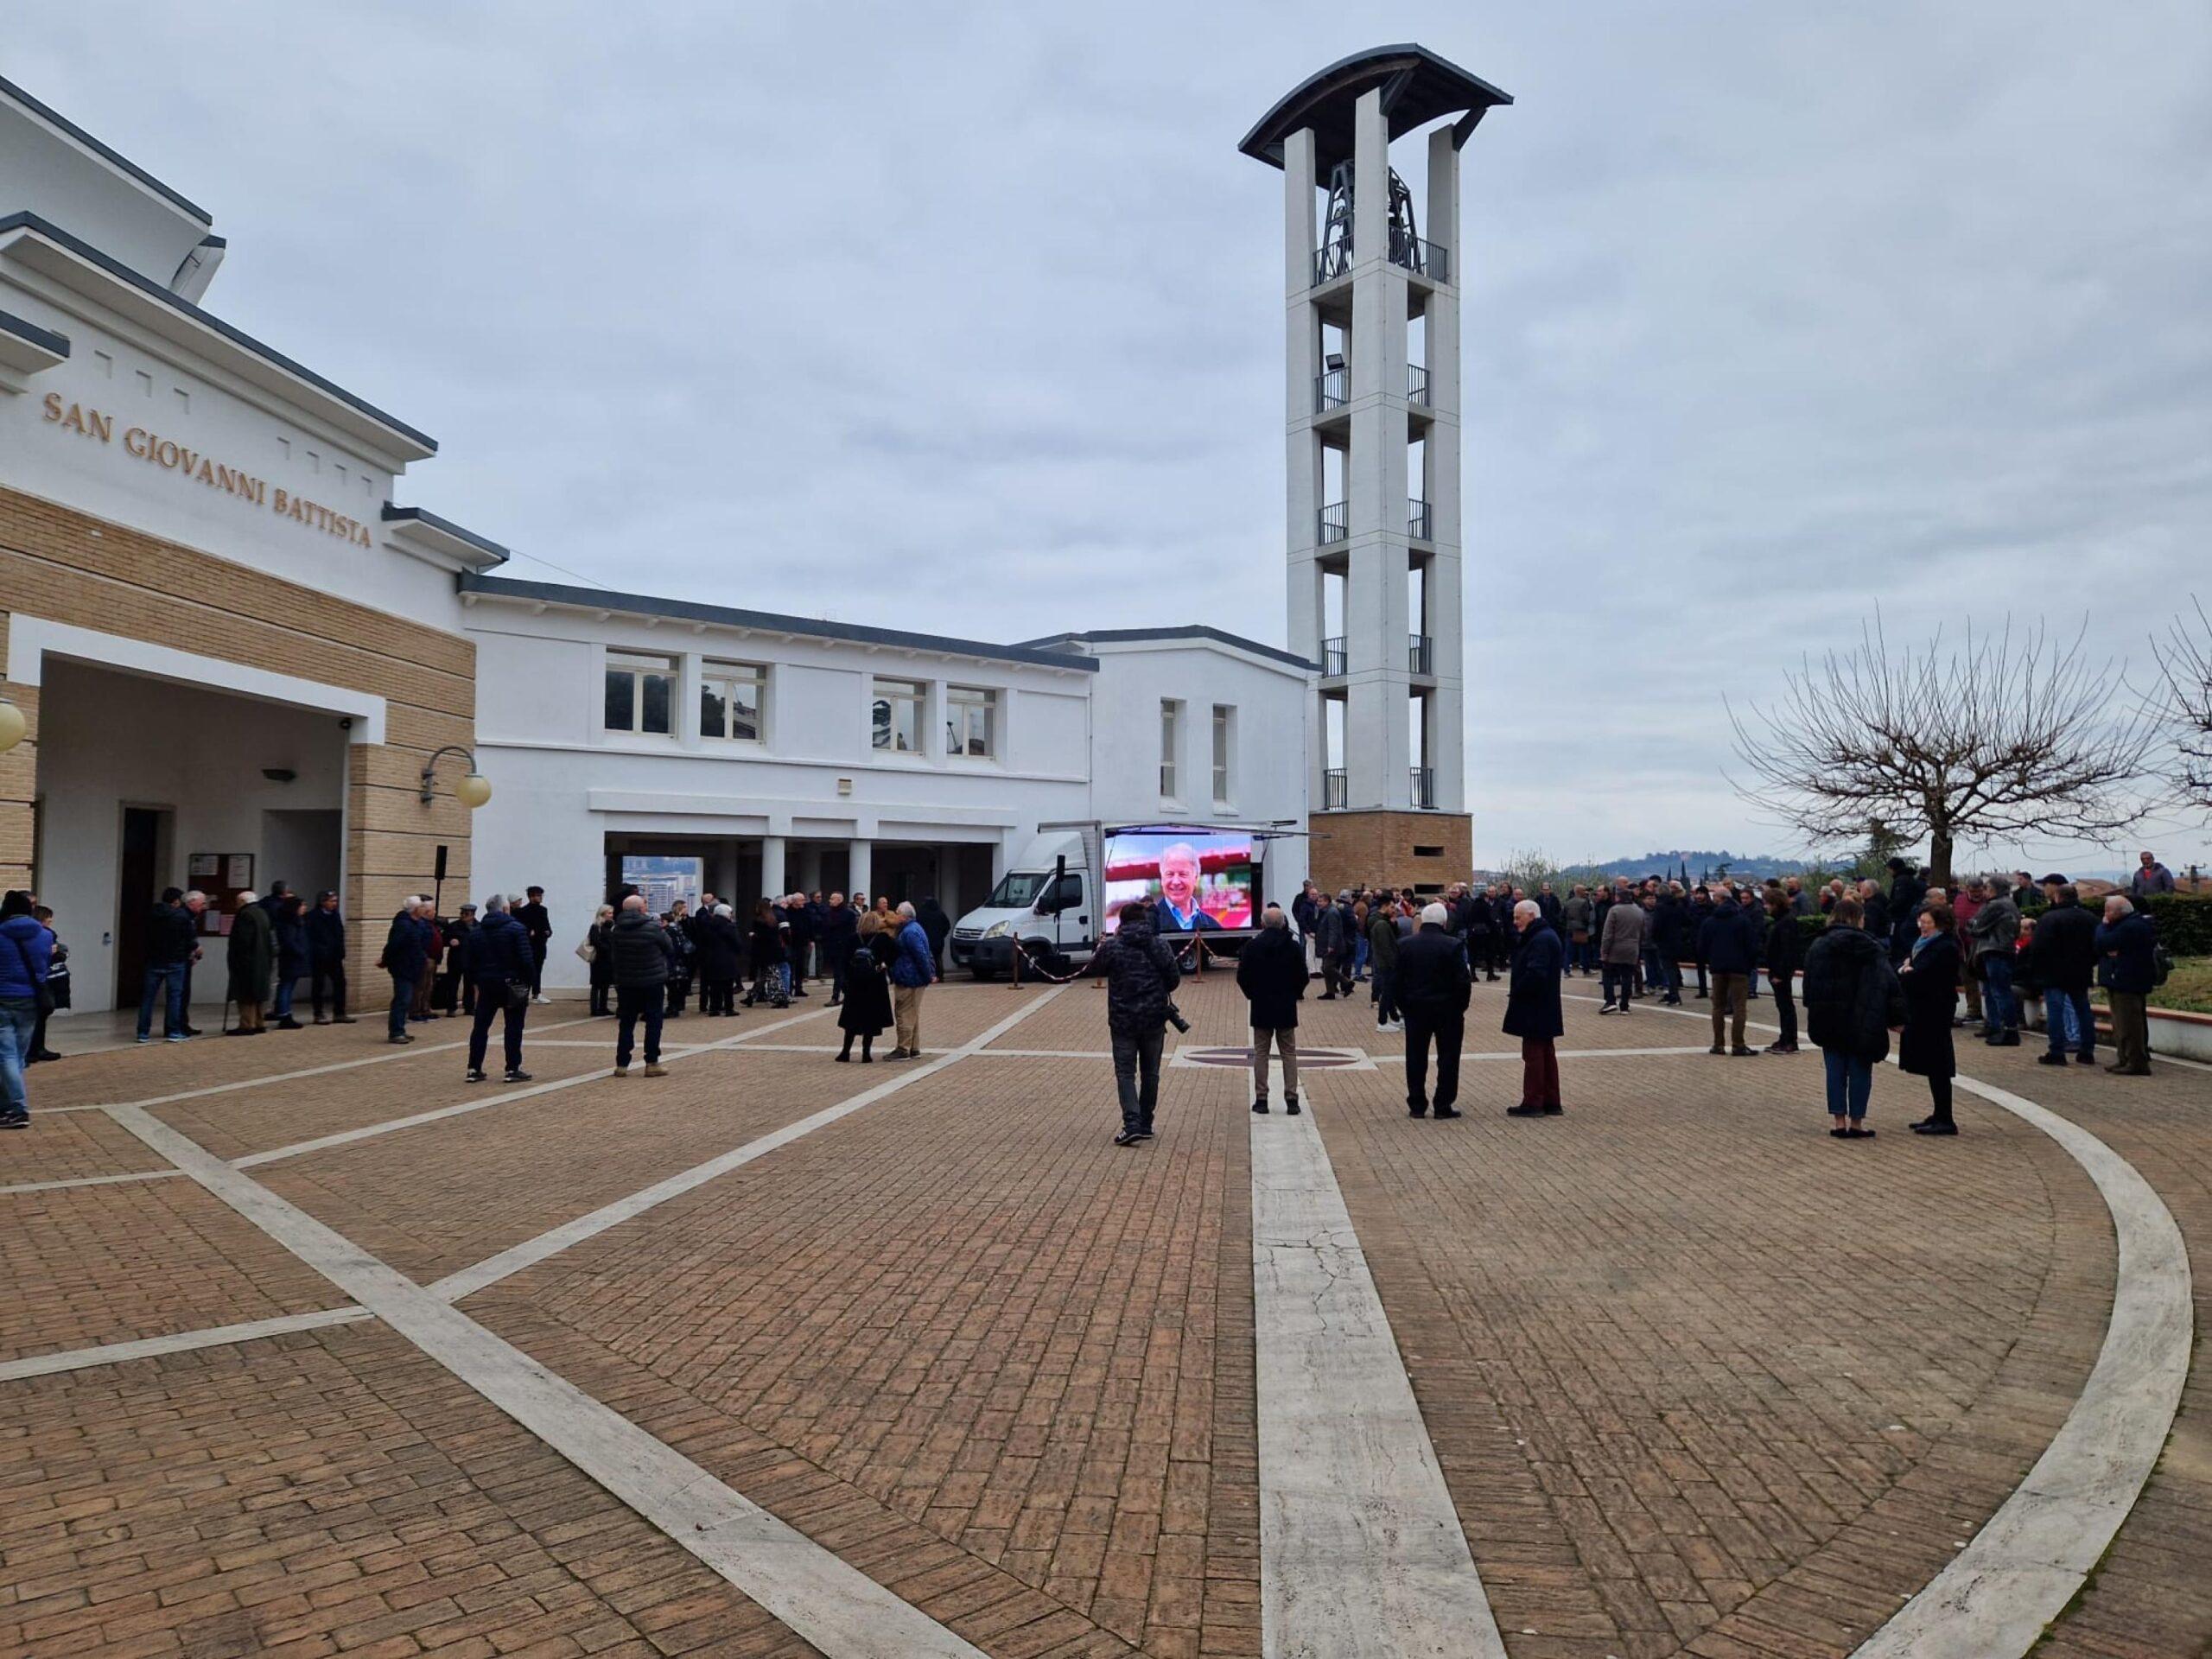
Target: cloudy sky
{"x": 967, "y": 318}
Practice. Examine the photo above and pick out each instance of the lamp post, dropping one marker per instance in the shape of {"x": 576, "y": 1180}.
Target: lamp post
{"x": 473, "y": 789}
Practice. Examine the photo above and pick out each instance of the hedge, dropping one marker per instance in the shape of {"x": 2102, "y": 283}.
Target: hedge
{"x": 2184, "y": 921}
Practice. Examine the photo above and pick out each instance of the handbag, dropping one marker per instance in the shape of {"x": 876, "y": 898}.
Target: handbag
{"x": 587, "y": 950}
{"x": 517, "y": 995}
{"x": 41, "y": 994}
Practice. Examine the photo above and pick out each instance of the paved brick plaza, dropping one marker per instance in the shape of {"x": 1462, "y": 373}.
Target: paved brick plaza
{"x": 1696, "y": 1378}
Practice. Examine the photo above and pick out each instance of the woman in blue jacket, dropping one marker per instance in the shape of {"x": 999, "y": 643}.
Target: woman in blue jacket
{"x": 25, "y": 956}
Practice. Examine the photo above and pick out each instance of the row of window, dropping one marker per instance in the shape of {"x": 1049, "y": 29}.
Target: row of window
{"x": 643, "y": 690}
{"x": 1171, "y": 749}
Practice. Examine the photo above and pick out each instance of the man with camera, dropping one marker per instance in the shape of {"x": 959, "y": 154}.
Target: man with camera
{"x": 1141, "y": 974}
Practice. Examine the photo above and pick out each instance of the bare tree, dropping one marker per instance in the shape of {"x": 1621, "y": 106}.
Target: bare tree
{"x": 2185, "y": 707}
{"x": 2003, "y": 734}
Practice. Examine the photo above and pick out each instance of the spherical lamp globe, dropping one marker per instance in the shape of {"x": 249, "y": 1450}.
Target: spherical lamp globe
{"x": 472, "y": 791}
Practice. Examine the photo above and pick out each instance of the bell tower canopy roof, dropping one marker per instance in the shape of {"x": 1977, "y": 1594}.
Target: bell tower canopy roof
{"x": 1418, "y": 87}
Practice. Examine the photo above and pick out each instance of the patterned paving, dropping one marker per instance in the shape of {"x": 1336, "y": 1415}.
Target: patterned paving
{"x": 1699, "y": 1379}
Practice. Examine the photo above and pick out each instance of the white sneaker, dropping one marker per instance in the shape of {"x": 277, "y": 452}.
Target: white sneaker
{"x": 543, "y": 1001}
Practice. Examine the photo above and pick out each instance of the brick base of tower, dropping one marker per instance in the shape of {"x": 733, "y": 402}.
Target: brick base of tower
{"x": 1424, "y": 850}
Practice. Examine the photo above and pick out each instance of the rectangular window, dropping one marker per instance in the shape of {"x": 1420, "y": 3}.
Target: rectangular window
{"x": 1224, "y": 733}
{"x": 640, "y": 693}
{"x": 895, "y": 715}
{"x": 1170, "y": 721}
{"x": 730, "y": 700}
{"x": 970, "y": 722}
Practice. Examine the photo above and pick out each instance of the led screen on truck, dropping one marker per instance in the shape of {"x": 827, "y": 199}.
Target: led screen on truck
{"x": 1196, "y": 882}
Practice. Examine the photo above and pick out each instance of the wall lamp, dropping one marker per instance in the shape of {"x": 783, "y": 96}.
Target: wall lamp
{"x": 12, "y": 726}
{"x": 474, "y": 789}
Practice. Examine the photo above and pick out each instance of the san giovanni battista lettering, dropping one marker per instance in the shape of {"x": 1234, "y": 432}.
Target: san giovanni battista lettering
{"x": 168, "y": 455}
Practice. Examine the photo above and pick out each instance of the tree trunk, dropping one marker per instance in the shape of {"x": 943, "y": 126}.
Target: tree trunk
{"x": 1939, "y": 861}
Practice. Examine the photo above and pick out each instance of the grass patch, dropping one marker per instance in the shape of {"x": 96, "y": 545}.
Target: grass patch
{"x": 2189, "y": 988}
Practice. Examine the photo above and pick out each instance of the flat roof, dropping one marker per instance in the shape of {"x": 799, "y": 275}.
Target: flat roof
{"x": 1418, "y": 87}
{"x": 393, "y": 515}
{"x": 111, "y": 156}
{"x": 153, "y": 290}
{"x": 1189, "y": 631}
{"x": 812, "y": 627}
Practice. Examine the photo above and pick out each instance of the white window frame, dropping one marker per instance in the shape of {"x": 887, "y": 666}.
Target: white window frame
{"x": 961, "y": 701}
{"x": 916, "y": 692}
{"x": 641, "y": 666}
{"x": 1224, "y": 732}
{"x": 720, "y": 676}
{"x": 1170, "y": 748}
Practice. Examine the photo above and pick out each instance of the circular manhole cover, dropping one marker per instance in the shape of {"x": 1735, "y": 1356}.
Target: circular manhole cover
{"x": 1317, "y": 1059}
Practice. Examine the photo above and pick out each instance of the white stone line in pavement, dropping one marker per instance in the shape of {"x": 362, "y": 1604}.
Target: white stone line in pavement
{"x": 468, "y": 1281}
{"x": 89, "y": 1180}
{"x": 501, "y": 1098}
{"x": 1994, "y": 1599}
{"x": 399, "y": 1052}
{"x": 115, "y": 1353}
{"x": 1360, "y": 1553}
{"x": 837, "y": 1608}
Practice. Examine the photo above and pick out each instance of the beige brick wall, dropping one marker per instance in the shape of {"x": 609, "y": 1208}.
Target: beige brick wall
{"x": 1348, "y": 847}
{"x": 67, "y": 567}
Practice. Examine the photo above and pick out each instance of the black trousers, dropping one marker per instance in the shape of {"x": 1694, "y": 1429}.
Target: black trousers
{"x": 679, "y": 986}
{"x": 1136, "y": 1075}
{"x": 490, "y": 1002}
{"x": 1449, "y": 1033}
{"x": 1785, "y": 1006}
{"x": 537, "y": 967}
{"x": 1939, "y": 1095}
{"x": 631, "y": 1003}
{"x": 332, "y": 975}
{"x": 714, "y": 996}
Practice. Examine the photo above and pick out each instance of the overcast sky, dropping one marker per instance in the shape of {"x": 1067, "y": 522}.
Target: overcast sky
{"x": 968, "y": 318}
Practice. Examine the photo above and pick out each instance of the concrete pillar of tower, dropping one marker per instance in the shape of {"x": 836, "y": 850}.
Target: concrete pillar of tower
{"x": 772, "y": 867}
{"x": 1447, "y": 611}
{"x": 1302, "y": 469}
{"x": 1371, "y": 179}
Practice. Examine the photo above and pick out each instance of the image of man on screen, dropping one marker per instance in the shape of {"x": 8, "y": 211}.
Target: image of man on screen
{"x": 1178, "y": 892}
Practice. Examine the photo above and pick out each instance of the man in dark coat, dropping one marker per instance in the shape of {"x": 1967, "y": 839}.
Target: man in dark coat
{"x": 1853, "y": 1000}
{"x": 1670, "y": 940}
{"x": 1698, "y": 908}
{"x": 1785, "y": 949}
{"x": 2063, "y": 959}
{"x": 1728, "y": 942}
{"x": 1992, "y": 937}
{"x": 1502, "y": 927}
{"x": 798, "y": 920}
{"x": 2127, "y": 967}
{"x": 1906, "y": 891}
{"x": 1332, "y": 935}
{"x": 499, "y": 963}
{"x": 834, "y": 944}
{"x": 642, "y": 958}
{"x": 406, "y": 958}
{"x": 1435, "y": 984}
{"x": 1271, "y": 972}
{"x": 1479, "y": 926}
{"x": 1930, "y": 979}
{"x": 1533, "y": 1012}
{"x": 325, "y": 930}
{"x": 1306, "y": 911}
{"x": 172, "y": 941}
{"x": 251, "y": 958}
{"x": 1141, "y": 974}
{"x": 538, "y": 924}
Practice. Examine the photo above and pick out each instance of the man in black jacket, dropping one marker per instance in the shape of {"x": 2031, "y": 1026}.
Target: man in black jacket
{"x": 1728, "y": 943}
{"x": 325, "y": 930}
{"x": 1271, "y": 972}
{"x": 2063, "y": 959}
{"x": 1140, "y": 977}
{"x": 1906, "y": 891}
{"x": 834, "y": 944}
{"x": 640, "y": 958}
{"x": 172, "y": 942}
{"x": 538, "y": 927}
{"x": 406, "y": 958}
{"x": 1434, "y": 988}
{"x": 499, "y": 966}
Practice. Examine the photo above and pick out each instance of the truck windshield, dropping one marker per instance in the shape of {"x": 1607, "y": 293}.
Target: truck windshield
{"x": 1018, "y": 889}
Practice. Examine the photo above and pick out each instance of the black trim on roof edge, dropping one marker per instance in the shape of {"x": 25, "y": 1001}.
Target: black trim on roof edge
{"x": 554, "y": 593}
{"x": 84, "y": 249}
{"x": 106, "y": 153}
{"x": 1188, "y": 631}
{"x": 1264, "y": 142}
{"x": 45, "y": 338}
{"x": 393, "y": 515}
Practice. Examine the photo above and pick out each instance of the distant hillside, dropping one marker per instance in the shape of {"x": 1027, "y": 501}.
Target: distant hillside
{"x": 1701, "y": 861}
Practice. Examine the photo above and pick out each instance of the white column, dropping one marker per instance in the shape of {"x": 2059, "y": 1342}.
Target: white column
{"x": 772, "y": 867}
{"x": 858, "y": 872}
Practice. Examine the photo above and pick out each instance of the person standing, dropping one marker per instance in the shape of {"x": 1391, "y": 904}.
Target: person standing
{"x": 602, "y": 969}
{"x": 1728, "y": 942}
{"x": 249, "y": 957}
{"x": 1993, "y": 934}
{"x": 1698, "y": 911}
{"x": 1852, "y": 1001}
{"x": 1930, "y": 980}
{"x": 682, "y": 956}
{"x": 1142, "y": 974}
{"x": 1972, "y": 897}
{"x": 1575, "y": 916}
{"x": 500, "y": 963}
{"x": 638, "y": 961}
{"x": 1670, "y": 928}
{"x": 1532, "y": 1008}
{"x": 835, "y": 942}
{"x": 452, "y": 993}
{"x": 406, "y": 957}
{"x": 717, "y": 937}
{"x": 1620, "y": 944}
{"x": 172, "y": 941}
{"x": 1907, "y": 889}
{"x": 1331, "y": 922}
{"x": 764, "y": 945}
{"x": 1800, "y": 902}
{"x": 866, "y": 1011}
{"x": 1785, "y": 949}
{"x": 325, "y": 936}
{"x": 2063, "y": 959}
{"x": 538, "y": 924}
{"x": 25, "y": 961}
{"x": 1271, "y": 972}
{"x": 914, "y": 972}
{"x": 2150, "y": 877}
{"x": 1382, "y": 953}
{"x": 2127, "y": 967}
{"x": 287, "y": 921}
{"x": 1306, "y": 911}
{"x": 1434, "y": 986}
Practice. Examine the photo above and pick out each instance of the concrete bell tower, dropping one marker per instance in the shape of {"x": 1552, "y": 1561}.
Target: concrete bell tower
{"x": 1373, "y": 389}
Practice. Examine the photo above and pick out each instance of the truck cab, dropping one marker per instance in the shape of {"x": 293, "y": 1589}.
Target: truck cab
{"x": 1040, "y": 906}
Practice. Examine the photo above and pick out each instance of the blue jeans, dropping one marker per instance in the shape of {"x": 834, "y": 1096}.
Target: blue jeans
{"x": 281, "y": 1008}
{"x": 2001, "y": 1009}
{"x": 1851, "y": 1081}
{"x": 1359, "y": 956}
{"x": 403, "y": 999}
{"x": 169, "y": 978}
{"x": 2068, "y": 1022}
{"x": 18, "y": 1027}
